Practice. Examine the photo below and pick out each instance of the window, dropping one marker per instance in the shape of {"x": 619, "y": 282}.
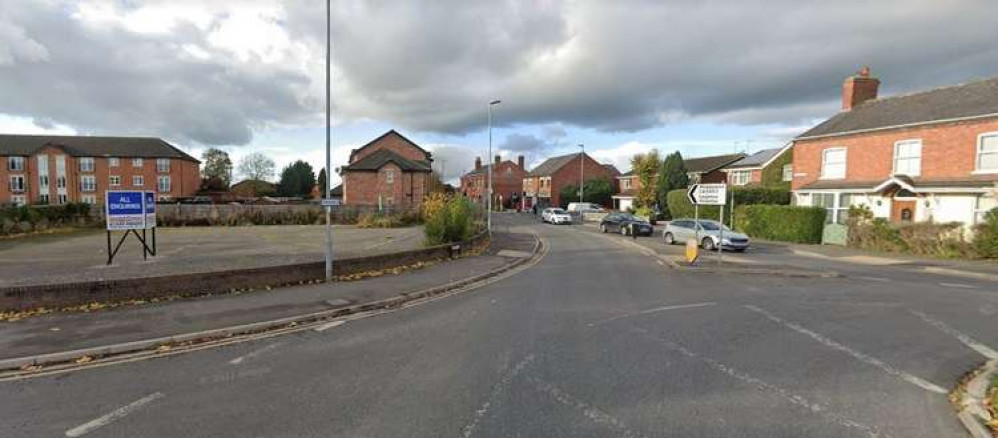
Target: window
{"x": 163, "y": 184}
{"x": 114, "y": 180}
{"x": 136, "y": 162}
{"x": 86, "y": 164}
{"x": 88, "y": 183}
{"x": 625, "y": 183}
{"x": 17, "y": 183}
{"x": 62, "y": 198}
{"x": 389, "y": 176}
{"x": 982, "y": 205}
{"x": 163, "y": 165}
{"x": 740, "y": 177}
{"x": 15, "y": 164}
{"x": 826, "y": 200}
{"x": 60, "y": 182}
{"x": 137, "y": 180}
{"x": 833, "y": 163}
{"x": 846, "y": 200}
{"x": 908, "y": 157}
{"x": 987, "y": 152}
{"x": 113, "y": 161}
{"x": 43, "y": 181}
{"x": 836, "y": 205}
{"x": 788, "y": 172}
{"x": 43, "y": 199}
{"x": 18, "y": 200}
{"x": 89, "y": 199}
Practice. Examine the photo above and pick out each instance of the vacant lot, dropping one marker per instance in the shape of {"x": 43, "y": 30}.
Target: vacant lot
{"x": 82, "y": 256}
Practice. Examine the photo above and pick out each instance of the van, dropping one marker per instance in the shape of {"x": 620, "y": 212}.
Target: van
{"x": 575, "y": 207}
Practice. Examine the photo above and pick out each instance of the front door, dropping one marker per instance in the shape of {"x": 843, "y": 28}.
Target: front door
{"x": 903, "y": 210}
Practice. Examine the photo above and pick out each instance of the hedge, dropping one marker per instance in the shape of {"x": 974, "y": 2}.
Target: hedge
{"x": 781, "y": 222}
{"x": 680, "y": 206}
{"x": 28, "y": 218}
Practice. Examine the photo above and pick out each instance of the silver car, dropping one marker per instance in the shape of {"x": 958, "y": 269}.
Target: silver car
{"x": 710, "y": 234}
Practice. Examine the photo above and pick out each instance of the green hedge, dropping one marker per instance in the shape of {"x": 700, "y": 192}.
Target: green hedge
{"x": 28, "y": 218}
{"x": 680, "y": 206}
{"x": 781, "y": 222}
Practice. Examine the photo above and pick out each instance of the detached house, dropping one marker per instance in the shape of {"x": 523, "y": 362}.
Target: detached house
{"x": 507, "y": 181}
{"x": 925, "y": 156}
{"x": 542, "y": 186}
{"x": 389, "y": 171}
{"x": 708, "y": 170}
{"x": 769, "y": 167}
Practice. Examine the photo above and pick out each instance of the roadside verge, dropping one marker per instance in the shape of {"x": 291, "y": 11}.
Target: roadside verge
{"x": 972, "y": 401}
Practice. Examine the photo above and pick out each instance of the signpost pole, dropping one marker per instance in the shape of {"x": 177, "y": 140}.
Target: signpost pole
{"x": 720, "y": 245}
{"x": 696, "y": 222}
{"x": 109, "y": 255}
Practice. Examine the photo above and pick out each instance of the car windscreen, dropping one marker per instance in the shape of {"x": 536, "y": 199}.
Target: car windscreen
{"x": 712, "y": 226}
{"x": 557, "y": 211}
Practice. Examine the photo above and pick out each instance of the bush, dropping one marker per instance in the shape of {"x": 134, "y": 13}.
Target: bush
{"x": 387, "y": 220}
{"x": 986, "y": 236}
{"x": 925, "y": 238}
{"x": 41, "y": 216}
{"x": 448, "y": 219}
{"x": 781, "y": 222}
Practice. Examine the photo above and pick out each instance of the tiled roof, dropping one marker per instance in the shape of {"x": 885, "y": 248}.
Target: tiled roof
{"x": 975, "y": 181}
{"x": 390, "y": 132}
{"x": 377, "y": 159}
{"x": 612, "y": 169}
{"x": 551, "y": 165}
{"x": 757, "y": 159}
{"x": 81, "y": 146}
{"x": 708, "y": 164}
{"x": 960, "y": 101}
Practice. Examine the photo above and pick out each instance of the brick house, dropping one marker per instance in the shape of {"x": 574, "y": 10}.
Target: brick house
{"x": 542, "y": 186}
{"x": 928, "y": 156}
{"x": 751, "y": 169}
{"x": 507, "y": 181}
{"x": 702, "y": 169}
{"x": 391, "y": 170}
{"x": 50, "y": 169}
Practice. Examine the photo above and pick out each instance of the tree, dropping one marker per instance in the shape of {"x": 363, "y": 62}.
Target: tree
{"x": 646, "y": 166}
{"x": 257, "y": 166}
{"x": 671, "y": 176}
{"x": 217, "y": 168}
{"x": 321, "y": 182}
{"x": 212, "y": 184}
{"x": 597, "y": 191}
{"x": 297, "y": 179}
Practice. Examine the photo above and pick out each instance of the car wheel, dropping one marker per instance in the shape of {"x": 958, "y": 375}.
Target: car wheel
{"x": 602, "y": 228}
{"x": 669, "y": 240}
{"x": 708, "y": 244}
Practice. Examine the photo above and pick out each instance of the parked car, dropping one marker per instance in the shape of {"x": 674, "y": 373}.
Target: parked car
{"x": 682, "y": 230}
{"x": 622, "y": 223}
{"x": 584, "y": 207}
{"x": 556, "y": 216}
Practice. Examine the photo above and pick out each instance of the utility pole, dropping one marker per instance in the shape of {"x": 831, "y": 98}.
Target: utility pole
{"x": 582, "y": 171}
{"x": 491, "y": 168}
{"x": 329, "y": 169}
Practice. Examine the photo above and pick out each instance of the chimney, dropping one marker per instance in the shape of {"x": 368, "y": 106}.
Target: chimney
{"x": 478, "y": 163}
{"x": 859, "y": 88}
{"x": 498, "y": 160}
{"x": 519, "y": 161}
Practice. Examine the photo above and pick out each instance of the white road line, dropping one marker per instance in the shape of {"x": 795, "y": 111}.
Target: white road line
{"x": 113, "y": 416}
{"x": 959, "y": 285}
{"x": 657, "y": 309}
{"x": 795, "y": 399}
{"x": 497, "y": 390}
{"x": 880, "y": 279}
{"x": 862, "y": 357}
{"x": 254, "y": 353}
{"x": 985, "y": 351}
{"x": 329, "y": 325}
{"x": 597, "y": 416}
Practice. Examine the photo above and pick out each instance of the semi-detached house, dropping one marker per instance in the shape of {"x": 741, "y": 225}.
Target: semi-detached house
{"x": 928, "y": 156}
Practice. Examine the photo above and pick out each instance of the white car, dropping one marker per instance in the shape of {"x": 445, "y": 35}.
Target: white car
{"x": 575, "y": 207}
{"x": 556, "y": 216}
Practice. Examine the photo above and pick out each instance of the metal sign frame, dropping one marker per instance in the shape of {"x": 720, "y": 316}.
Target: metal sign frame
{"x": 130, "y": 211}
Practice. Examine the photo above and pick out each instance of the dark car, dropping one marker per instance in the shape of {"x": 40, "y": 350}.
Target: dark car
{"x": 623, "y": 223}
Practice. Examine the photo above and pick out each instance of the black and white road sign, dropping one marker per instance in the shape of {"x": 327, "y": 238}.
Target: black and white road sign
{"x": 707, "y": 194}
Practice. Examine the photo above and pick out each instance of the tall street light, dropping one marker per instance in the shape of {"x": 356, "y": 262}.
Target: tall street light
{"x": 329, "y": 170}
{"x": 491, "y": 168}
{"x": 582, "y": 170}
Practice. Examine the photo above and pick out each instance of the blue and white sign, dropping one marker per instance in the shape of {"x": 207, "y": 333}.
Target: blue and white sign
{"x": 150, "y": 209}
{"x": 125, "y": 210}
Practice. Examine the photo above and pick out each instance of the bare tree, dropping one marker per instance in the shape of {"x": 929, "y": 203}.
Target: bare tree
{"x": 257, "y": 166}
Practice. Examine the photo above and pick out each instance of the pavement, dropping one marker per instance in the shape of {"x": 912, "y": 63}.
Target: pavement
{"x": 82, "y": 256}
{"x": 597, "y": 339}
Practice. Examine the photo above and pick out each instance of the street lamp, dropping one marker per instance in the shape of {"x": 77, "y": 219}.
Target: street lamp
{"x": 329, "y": 170}
{"x": 491, "y": 168}
{"x": 582, "y": 170}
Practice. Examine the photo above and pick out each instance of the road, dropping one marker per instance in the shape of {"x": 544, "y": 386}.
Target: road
{"x": 595, "y": 340}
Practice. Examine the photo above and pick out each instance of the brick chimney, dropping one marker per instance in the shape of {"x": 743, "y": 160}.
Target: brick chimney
{"x": 859, "y": 88}
{"x": 478, "y": 163}
{"x": 519, "y": 161}
{"x": 498, "y": 160}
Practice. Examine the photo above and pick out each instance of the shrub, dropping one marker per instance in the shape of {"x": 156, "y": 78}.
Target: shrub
{"x": 387, "y": 220}
{"x": 447, "y": 220}
{"x": 40, "y": 216}
{"x": 986, "y": 236}
{"x": 781, "y": 222}
{"x": 924, "y": 238}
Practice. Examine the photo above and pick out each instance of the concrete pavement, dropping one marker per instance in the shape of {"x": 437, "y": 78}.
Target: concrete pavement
{"x": 595, "y": 340}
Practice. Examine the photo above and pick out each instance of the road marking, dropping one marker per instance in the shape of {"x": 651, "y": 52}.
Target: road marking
{"x": 880, "y": 279}
{"x": 329, "y": 325}
{"x": 591, "y": 412}
{"x": 657, "y": 309}
{"x": 862, "y": 357}
{"x": 959, "y": 285}
{"x": 985, "y": 351}
{"x": 795, "y": 399}
{"x": 113, "y": 416}
{"x": 497, "y": 390}
{"x": 254, "y": 353}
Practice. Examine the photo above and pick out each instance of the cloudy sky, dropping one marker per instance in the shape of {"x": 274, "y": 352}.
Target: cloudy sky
{"x": 698, "y": 76}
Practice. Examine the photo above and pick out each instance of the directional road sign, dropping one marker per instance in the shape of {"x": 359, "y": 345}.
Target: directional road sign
{"x": 707, "y": 194}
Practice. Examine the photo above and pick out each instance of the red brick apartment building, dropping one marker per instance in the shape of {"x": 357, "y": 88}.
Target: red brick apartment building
{"x": 927, "y": 156}
{"x": 542, "y": 186}
{"x": 47, "y": 169}
{"x": 391, "y": 170}
{"x": 507, "y": 181}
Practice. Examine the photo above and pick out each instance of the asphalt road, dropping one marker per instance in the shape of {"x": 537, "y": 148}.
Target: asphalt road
{"x": 595, "y": 340}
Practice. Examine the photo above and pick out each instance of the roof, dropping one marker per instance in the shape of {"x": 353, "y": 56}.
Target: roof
{"x": 382, "y": 136}
{"x": 975, "y": 99}
{"x": 337, "y": 191}
{"x": 710, "y": 164}
{"x": 486, "y": 167}
{"x": 83, "y": 146}
{"x": 612, "y": 169}
{"x": 758, "y": 159}
{"x": 378, "y": 159}
{"x": 975, "y": 181}
{"x": 551, "y": 165}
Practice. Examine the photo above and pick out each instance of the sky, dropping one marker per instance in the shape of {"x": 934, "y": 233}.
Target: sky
{"x": 701, "y": 77}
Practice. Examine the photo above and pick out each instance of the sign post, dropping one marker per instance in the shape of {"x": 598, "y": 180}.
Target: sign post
{"x": 709, "y": 194}
{"x": 130, "y": 211}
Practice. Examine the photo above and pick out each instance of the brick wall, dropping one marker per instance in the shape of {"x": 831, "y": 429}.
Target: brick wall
{"x": 569, "y": 175}
{"x": 949, "y": 151}
{"x": 364, "y": 188}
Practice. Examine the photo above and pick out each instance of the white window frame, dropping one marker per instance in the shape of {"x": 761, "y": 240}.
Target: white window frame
{"x": 978, "y": 211}
{"x": 20, "y": 186}
{"x": 137, "y": 162}
{"x": 89, "y": 199}
{"x": 788, "y": 172}
{"x": 43, "y": 198}
{"x": 390, "y": 176}
{"x": 739, "y": 177}
{"x": 625, "y": 183}
{"x": 43, "y": 182}
{"x": 977, "y": 153}
{"x": 15, "y": 164}
{"x": 87, "y": 164}
{"x": 18, "y": 200}
{"x": 824, "y": 162}
{"x": 114, "y": 180}
{"x": 163, "y": 165}
{"x": 138, "y": 180}
{"x": 60, "y": 182}
{"x": 163, "y": 188}
{"x": 61, "y": 198}
{"x": 88, "y": 183}
{"x": 918, "y": 167}
{"x": 113, "y": 162}
{"x": 832, "y": 215}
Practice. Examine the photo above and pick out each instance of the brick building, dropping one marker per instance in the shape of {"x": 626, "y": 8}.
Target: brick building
{"x": 542, "y": 186}
{"x": 699, "y": 170}
{"x": 47, "y": 169}
{"x": 389, "y": 171}
{"x": 749, "y": 170}
{"x": 507, "y": 181}
{"x": 926, "y": 156}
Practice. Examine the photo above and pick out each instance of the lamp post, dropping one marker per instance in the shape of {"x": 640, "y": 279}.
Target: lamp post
{"x": 582, "y": 170}
{"x": 491, "y": 168}
{"x": 329, "y": 169}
